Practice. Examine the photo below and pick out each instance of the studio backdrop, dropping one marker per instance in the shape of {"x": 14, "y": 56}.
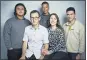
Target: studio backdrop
{"x": 58, "y": 7}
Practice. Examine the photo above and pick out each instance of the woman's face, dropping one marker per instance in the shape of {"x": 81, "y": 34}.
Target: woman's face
{"x": 53, "y": 20}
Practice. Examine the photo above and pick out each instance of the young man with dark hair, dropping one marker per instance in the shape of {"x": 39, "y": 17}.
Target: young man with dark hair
{"x": 13, "y": 32}
{"x": 45, "y": 14}
{"x": 75, "y": 36}
{"x": 35, "y": 38}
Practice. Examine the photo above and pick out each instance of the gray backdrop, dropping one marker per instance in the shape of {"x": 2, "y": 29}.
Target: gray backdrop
{"x": 59, "y": 7}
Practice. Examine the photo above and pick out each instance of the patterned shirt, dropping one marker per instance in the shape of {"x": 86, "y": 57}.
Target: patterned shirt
{"x": 56, "y": 40}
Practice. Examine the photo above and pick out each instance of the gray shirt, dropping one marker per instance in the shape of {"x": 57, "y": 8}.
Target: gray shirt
{"x": 14, "y": 31}
{"x": 44, "y": 20}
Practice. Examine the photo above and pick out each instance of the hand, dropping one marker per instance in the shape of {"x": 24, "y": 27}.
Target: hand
{"x": 10, "y": 49}
{"x": 22, "y": 58}
{"x": 78, "y": 57}
{"x": 41, "y": 57}
{"x": 44, "y": 51}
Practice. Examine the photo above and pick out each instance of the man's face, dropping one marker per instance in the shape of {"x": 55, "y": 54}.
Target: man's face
{"x": 70, "y": 15}
{"x": 35, "y": 18}
{"x": 20, "y": 10}
{"x": 45, "y": 8}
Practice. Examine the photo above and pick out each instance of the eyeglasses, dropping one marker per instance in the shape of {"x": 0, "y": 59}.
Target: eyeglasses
{"x": 34, "y": 17}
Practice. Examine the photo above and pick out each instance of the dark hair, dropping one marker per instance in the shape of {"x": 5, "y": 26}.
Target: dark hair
{"x": 58, "y": 22}
{"x": 45, "y": 3}
{"x": 20, "y": 4}
{"x": 34, "y": 11}
{"x": 70, "y": 9}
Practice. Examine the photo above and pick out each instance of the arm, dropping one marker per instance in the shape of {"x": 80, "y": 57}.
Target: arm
{"x": 44, "y": 51}
{"x": 46, "y": 46}
{"x": 45, "y": 41}
{"x": 82, "y": 39}
{"x": 24, "y": 46}
{"x": 7, "y": 34}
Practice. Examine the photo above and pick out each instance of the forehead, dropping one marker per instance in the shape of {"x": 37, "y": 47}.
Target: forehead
{"x": 53, "y": 16}
{"x": 19, "y": 6}
{"x": 70, "y": 12}
{"x": 35, "y": 14}
{"x": 45, "y": 5}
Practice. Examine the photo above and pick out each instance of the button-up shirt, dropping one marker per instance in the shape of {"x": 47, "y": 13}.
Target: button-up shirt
{"x": 35, "y": 39}
{"x": 75, "y": 37}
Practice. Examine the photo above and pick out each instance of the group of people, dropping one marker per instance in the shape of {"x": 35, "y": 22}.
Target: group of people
{"x": 42, "y": 37}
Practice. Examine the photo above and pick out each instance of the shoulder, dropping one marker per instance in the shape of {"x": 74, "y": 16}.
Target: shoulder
{"x": 49, "y": 29}
{"x": 79, "y": 24}
{"x": 28, "y": 27}
{"x": 59, "y": 30}
{"x": 10, "y": 20}
{"x": 27, "y": 21}
{"x": 65, "y": 24}
{"x": 44, "y": 29}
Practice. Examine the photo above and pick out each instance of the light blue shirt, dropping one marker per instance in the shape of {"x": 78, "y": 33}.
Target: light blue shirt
{"x": 36, "y": 39}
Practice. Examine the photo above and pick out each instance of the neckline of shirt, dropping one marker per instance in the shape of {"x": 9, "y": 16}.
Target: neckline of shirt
{"x": 34, "y": 28}
{"x": 46, "y": 15}
{"x": 19, "y": 19}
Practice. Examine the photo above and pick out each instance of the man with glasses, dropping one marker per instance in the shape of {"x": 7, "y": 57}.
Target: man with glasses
{"x": 37, "y": 38}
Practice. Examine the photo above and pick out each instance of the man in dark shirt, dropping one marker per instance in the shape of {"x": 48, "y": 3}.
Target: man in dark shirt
{"x": 45, "y": 14}
{"x": 13, "y": 32}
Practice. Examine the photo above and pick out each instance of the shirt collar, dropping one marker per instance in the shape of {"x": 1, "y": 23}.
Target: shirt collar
{"x": 53, "y": 30}
{"x": 18, "y": 19}
{"x": 73, "y": 26}
{"x": 46, "y": 15}
{"x": 67, "y": 24}
{"x": 34, "y": 28}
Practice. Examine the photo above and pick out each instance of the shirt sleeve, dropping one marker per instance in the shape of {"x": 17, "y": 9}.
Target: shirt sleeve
{"x": 61, "y": 44}
{"x": 7, "y": 34}
{"x": 82, "y": 39}
{"x": 45, "y": 35}
{"x": 25, "y": 38}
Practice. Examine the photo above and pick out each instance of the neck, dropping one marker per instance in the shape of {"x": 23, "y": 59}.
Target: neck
{"x": 53, "y": 27}
{"x": 19, "y": 17}
{"x": 46, "y": 13}
{"x": 72, "y": 22}
{"x": 36, "y": 26}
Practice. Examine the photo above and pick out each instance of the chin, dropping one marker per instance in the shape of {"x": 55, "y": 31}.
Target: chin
{"x": 70, "y": 19}
{"x": 45, "y": 12}
{"x": 52, "y": 24}
{"x": 34, "y": 24}
{"x": 21, "y": 14}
